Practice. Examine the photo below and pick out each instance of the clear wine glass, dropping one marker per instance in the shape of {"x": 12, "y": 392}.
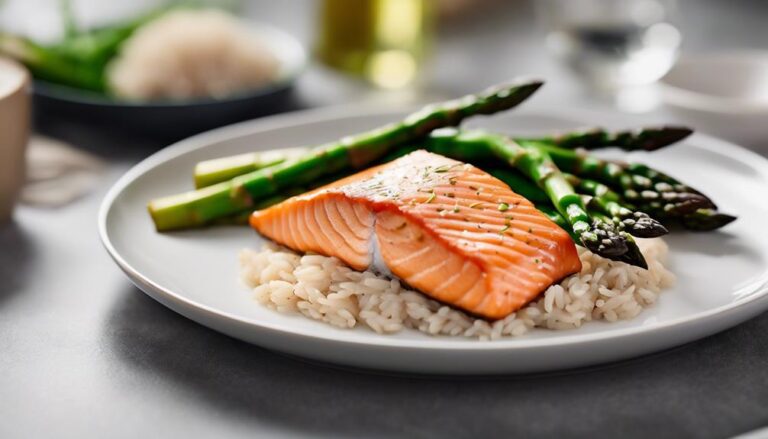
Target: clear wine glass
{"x": 612, "y": 43}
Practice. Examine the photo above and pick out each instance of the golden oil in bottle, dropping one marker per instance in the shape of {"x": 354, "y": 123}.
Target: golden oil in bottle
{"x": 384, "y": 41}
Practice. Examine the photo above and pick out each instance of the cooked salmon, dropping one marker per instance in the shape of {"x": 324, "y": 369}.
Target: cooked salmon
{"x": 446, "y": 228}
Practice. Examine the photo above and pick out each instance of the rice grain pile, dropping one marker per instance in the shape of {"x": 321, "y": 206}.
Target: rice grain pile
{"x": 323, "y": 288}
{"x": 191, "y": 53}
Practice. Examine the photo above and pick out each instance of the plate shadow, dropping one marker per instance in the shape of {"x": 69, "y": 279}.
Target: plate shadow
{"x": 687, "y": 392}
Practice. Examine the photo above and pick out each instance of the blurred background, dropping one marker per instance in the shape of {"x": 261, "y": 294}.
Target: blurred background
{"x": 593, "y": 53}
{"x": 113, "y": 82}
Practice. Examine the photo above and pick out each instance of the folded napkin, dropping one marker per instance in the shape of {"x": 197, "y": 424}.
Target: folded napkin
{"x": 57, "y": 173}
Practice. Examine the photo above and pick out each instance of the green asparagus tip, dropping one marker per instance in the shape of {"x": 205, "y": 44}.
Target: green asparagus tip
{"x": 529, "y": 86}
{"x": 643, "y": 226}
{"x": 683, "y": 203}
{"x": 705, "y": 220}
{"x": 604, "y": 240}
{"x": 633, "y": 256}
{"x": 655, "y": 138}
{"x": 508, "y": 95}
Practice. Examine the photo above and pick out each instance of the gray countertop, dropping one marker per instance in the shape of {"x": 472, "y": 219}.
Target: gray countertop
{"x": 83, "y": 353}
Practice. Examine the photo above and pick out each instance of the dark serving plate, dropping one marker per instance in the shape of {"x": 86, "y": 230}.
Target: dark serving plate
{"x": 156, "y": 119}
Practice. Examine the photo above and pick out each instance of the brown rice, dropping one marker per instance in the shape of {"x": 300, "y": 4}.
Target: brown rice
{"x": 323, "y": 288}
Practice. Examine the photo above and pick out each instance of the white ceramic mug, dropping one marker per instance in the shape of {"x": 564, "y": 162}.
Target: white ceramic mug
{"x": 14, "y": 132}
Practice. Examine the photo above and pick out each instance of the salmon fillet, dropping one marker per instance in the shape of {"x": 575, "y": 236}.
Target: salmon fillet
{"x": 447, "y": 228}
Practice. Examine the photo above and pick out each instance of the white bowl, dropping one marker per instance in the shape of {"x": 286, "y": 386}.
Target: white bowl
{"x": 725, "y": 94}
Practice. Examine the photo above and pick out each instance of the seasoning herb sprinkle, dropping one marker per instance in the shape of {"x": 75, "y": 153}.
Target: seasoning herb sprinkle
{"x": 475, "y": 205}
{"x": 503, "y": 207}
{"x": 431, "y": 198}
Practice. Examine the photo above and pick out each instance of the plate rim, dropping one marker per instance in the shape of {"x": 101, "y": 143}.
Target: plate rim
{"x": 758, "y": 289}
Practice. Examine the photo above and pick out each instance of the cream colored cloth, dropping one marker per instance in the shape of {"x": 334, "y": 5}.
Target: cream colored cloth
{"x": 57, "y": 173}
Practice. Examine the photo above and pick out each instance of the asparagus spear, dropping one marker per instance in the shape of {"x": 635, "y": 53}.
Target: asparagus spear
{"x": 647, "y": 138}
{"x": 210, "y": 172}
{"x": 648, "y": 194}
{"x": 599, "y": 237}
{"x": 223, "y": 199}
{"x": 603, "y": 199}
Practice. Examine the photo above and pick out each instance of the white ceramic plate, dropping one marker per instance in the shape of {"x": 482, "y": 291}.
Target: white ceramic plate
{"x": 722, "y": 277}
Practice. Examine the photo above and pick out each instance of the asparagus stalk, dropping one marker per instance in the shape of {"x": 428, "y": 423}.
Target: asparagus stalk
{"x": 599, "y": 237}
{"x": 224, "y": 199}
{"x": 210, "y": 172}
{"x": 603, "y": 199}
{"x": 651, "y": 195}
{"x": 646, "y": 139}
